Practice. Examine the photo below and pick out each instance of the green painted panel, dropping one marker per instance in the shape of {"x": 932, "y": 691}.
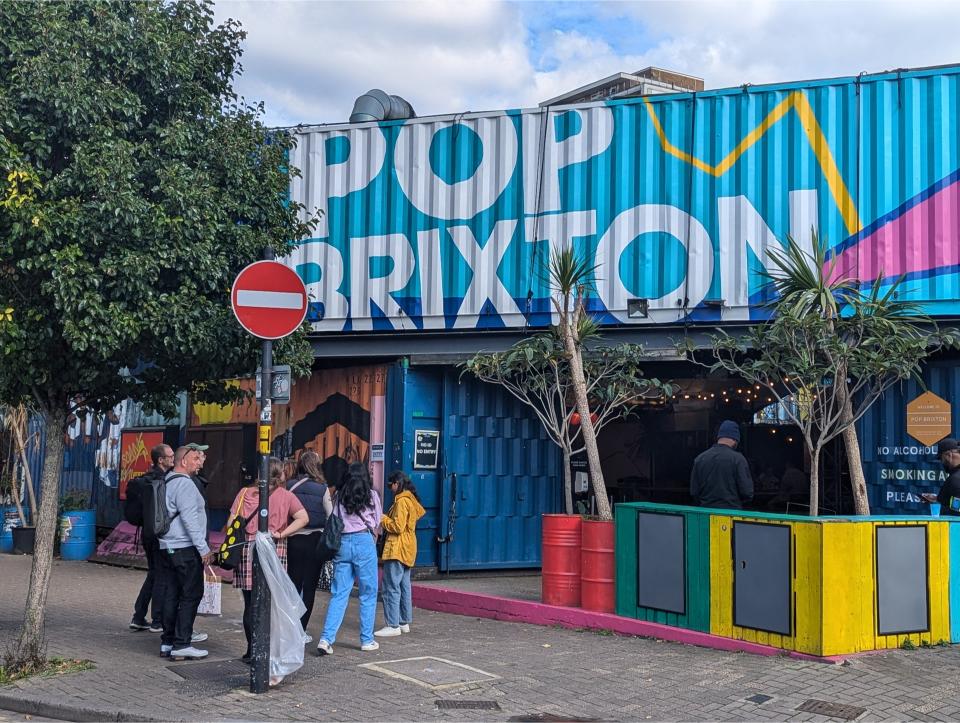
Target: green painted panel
{"x": 697, "y": 557}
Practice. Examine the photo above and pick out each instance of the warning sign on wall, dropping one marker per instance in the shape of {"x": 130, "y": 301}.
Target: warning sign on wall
{"x": 928, "y": 418}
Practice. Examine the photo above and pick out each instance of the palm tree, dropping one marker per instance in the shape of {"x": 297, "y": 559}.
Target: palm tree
{"x": 570, "y": 280}
{"x": 807, "y": 283}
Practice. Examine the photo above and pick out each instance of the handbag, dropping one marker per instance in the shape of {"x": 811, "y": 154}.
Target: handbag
{"x": 329, "y": 543}
{"x": 381, "y": 543}
{"x": 228, "y": 557}
{"x": 210, "y": 604}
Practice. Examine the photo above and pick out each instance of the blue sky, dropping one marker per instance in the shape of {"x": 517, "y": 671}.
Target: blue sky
{"x": 308, "y": 61}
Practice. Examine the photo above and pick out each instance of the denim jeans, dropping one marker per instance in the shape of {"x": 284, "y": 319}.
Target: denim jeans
{"x": 357, "y": 559}
{"x": 397, "y": 598}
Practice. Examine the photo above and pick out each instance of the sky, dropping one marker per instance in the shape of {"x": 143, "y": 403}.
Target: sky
{"x": 308, "y": 61}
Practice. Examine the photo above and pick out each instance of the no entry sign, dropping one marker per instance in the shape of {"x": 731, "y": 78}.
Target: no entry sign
{"x": 269, "y": 299}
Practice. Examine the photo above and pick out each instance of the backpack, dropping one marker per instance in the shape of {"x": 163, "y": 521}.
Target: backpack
{"x": 133, "y": 506}
{"x": 329, "y": 543}
{"x": 156, "y": 518}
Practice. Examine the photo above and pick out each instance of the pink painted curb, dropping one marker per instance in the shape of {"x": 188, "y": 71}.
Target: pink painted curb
{"x": 494, "y": 607}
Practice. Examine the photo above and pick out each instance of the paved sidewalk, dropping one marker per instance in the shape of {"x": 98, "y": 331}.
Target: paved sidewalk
{"x": 525, "y": 671}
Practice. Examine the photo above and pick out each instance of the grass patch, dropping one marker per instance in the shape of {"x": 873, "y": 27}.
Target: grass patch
{"x": 45, "y": 669}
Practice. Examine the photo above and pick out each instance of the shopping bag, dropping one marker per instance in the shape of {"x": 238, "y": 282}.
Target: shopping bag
{"x": 210, "y": 604}
{"x": 286, "y": 607}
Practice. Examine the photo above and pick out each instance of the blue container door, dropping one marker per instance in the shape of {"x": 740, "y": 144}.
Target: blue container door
{"x": 501, "y": 474}
{"x": 415, "y": 399}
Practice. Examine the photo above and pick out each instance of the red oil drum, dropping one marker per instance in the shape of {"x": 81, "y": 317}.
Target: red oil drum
{"x": 561, "y": 560}
{"x": 597, "y": 568}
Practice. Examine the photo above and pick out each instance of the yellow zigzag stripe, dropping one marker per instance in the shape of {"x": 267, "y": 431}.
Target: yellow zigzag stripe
{"x": 798, "y": 102}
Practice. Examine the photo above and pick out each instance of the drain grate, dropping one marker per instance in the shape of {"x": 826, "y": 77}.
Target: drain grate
{"x": 467, "y": 705}
{"x": 213, "y": 670}
{"x": 759, "y": 699}
{"x": 831, "y": 710}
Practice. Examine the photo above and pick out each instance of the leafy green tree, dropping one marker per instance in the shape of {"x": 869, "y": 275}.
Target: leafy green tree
{"x": 536, "y": 371}
{"x": 135, "y": 185}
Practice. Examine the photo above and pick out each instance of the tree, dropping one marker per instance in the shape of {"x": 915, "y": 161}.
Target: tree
{"x": 808, "y": 284}
{"x": 832, "y": 368}
{"x": 536, "y": 371}
{"x": 570, "y": 281}
{"x": 136, "y": 185}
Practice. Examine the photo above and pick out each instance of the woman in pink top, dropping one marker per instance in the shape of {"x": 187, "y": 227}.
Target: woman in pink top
{"x": 286, "y": 517}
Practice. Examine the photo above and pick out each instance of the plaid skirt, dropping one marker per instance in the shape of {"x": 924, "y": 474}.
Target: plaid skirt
{"x": 243, "y": 575}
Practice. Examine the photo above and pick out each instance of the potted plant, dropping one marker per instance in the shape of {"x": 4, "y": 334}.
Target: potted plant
{"x": 8, "y": 513}
{"x": 16, "y": 421}
{"x": 78, "y": 525}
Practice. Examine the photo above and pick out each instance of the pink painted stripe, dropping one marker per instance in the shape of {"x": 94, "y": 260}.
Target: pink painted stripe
{"x": 926, "y": 237}
{"x": 458, "y": 602}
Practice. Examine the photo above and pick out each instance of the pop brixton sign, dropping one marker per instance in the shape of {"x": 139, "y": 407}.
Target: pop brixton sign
{"x": 449, "y": 222}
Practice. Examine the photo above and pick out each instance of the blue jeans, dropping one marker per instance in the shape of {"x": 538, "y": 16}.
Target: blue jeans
{"x": 397, "y": 598}
{"x": 357, "y": 559}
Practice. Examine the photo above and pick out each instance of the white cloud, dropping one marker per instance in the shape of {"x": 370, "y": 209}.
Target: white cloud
{"x": 309, "y": 60}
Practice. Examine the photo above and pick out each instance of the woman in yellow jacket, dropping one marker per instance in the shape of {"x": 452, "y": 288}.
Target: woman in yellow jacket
{"x": 399, "y": 554}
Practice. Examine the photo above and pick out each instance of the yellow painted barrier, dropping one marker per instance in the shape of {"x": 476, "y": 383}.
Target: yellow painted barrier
{"x": 834, "y": 585}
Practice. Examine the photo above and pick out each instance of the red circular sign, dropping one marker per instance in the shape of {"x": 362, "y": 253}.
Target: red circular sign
{"x": 269, "y": 299}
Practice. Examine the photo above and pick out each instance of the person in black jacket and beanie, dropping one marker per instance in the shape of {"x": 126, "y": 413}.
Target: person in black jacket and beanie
{"x": 151, "y": 592}
{"x": 721, "y": 476}
{"x": 303, "y": 564}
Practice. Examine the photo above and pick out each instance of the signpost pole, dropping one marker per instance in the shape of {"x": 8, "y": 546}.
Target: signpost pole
{"x": 270, "y": 302}
{"x": 260, "y": 644}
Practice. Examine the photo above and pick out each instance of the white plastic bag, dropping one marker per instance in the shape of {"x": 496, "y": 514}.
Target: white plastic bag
{"x": 286, "y": 608}
{"x": 210, "y": 604}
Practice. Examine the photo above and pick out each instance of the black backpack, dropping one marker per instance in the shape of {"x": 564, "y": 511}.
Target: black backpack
{"x": 133, "y": 506}
{"x": 329, "y": 543}
{"x": 156, "y": 519}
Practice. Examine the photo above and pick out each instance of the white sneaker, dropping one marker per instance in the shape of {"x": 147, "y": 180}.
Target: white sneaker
{"x": 404, "y": 628}
{"x": 387, "y": 632}
{"x": 307, "y": 639}
{"x": 370, "y": 646}
{"x": 198, "y": 637}
{"x": 324, "y": 648}
{"x": 190, "y": 652}
{"x": 165, "y": 651}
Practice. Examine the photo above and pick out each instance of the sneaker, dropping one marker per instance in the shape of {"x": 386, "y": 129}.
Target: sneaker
{"x": 324, "y": 648}
{"x": 367, "y": 647}
{"x": 387, "y": 632}
{"x": 404, "y": 628}
{"x": 198, "y": 637}
{"x": 138, "y": 625}
{"x": 190, "y": 652}
{"x": 307, "y": 639}
{"x": 165, "y": 651}
{"x": 156, "y": 628}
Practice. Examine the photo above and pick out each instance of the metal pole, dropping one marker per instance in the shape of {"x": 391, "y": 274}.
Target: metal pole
{"x": 260, "y": 661}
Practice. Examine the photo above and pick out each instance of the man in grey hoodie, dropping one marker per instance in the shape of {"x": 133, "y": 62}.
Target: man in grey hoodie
{"x": 183, "y": 554}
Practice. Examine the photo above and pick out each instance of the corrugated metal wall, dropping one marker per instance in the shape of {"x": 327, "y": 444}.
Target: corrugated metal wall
{"x": 448, "y": 222}
{"x": 898, "y": 468}
{"x": 88, "y": 465}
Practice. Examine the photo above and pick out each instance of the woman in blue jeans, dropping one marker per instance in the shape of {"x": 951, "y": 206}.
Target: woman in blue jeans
{"x": 358, "y": 505}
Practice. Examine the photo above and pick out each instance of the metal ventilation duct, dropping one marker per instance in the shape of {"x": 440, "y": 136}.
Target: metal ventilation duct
{"x": 375, "y": 105}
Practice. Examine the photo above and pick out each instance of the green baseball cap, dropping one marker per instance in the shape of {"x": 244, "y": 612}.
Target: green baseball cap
{"x": 197, "y": 447}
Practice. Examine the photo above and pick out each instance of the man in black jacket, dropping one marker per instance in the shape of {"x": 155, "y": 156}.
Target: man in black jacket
{"x": 949, "y": 496}
{"x": 721, "y": 476}
{"x": 151, "y": 593}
